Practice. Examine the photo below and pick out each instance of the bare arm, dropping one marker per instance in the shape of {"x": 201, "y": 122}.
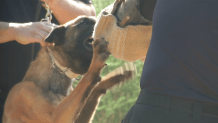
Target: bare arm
{"x": 7, "y": 33}
{"x": 25, "y": 33}
{"x": 66, "y": 10}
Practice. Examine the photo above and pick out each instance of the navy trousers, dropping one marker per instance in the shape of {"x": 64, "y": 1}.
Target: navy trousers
{"x": 156, "y": 108}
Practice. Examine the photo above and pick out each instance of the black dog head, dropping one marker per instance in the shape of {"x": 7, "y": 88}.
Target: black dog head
{"x": 73, "y": 43}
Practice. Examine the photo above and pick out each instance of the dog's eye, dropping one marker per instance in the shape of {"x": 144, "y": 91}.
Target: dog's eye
{"x": 84, "y": 23}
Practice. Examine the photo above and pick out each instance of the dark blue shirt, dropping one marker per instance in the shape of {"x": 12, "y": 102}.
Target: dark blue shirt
{"x": 182, "y": 59}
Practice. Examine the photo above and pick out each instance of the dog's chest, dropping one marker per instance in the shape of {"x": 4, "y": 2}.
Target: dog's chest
{"x": 54, "y": 98}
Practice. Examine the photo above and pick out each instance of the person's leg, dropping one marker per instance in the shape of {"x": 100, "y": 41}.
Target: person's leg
{"x": 208, "y": 119}
{"x": 140, "y": 113}
{"x": 128, "y": 115}
{"x": 156, "y": 108}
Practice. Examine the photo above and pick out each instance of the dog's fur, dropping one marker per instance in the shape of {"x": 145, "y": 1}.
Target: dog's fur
{"x": 44, "y": 95}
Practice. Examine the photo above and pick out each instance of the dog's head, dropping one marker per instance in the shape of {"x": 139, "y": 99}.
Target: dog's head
{"x": 73, "y": 43}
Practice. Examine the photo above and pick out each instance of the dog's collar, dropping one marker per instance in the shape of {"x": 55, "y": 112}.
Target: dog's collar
{"x": 63, "y": 70}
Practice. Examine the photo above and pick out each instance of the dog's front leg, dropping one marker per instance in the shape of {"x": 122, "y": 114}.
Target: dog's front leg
{"x": 88, "y": 111}
{"x": 70, "y": 107}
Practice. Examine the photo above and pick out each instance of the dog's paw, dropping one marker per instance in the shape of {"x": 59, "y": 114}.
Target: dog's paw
{"x": 113, "y": 81}
{"x": 101, "y": 52}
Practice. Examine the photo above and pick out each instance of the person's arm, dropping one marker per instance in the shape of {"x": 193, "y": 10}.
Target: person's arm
{"x": 66, "y": 10}
{"x": 6, "y": 33}
{"x": 25, "y": 33}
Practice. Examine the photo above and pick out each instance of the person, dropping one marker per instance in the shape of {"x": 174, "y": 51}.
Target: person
{"x": 180, "y": 73}
{"x": 17, "y": 23}
{"x": 25, "y": 33}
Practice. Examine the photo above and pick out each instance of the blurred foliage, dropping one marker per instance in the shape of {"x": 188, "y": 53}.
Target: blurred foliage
{"x": 117, "y": 102}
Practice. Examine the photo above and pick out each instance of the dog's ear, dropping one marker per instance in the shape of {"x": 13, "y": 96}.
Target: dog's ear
{"x": 56, "y": 36}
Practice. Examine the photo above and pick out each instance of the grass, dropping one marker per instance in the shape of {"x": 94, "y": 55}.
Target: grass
{"x": 117, "y": 102}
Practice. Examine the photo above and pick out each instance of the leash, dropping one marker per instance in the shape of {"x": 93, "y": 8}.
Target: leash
{"x": 48, "y": 18}
{"x": 48, "y": 15}
{"x": 55, "y": 64}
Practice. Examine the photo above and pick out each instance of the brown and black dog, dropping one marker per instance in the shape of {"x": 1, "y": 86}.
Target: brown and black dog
{"x": 45, "y": 94}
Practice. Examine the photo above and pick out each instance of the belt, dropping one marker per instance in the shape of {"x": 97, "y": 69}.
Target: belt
{"x": 197, "y": 108}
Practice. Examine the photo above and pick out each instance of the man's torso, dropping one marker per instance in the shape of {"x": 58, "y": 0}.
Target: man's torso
{"x": 183, "y": 56}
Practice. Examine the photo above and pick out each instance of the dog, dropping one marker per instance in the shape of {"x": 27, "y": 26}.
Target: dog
{"x": 45, "y": 94}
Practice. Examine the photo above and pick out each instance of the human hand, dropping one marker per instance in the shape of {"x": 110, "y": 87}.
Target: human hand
{"x": 32, "y": 32}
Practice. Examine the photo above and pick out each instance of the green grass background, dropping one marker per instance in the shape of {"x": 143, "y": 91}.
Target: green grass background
{"x": 117, "y": 102}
